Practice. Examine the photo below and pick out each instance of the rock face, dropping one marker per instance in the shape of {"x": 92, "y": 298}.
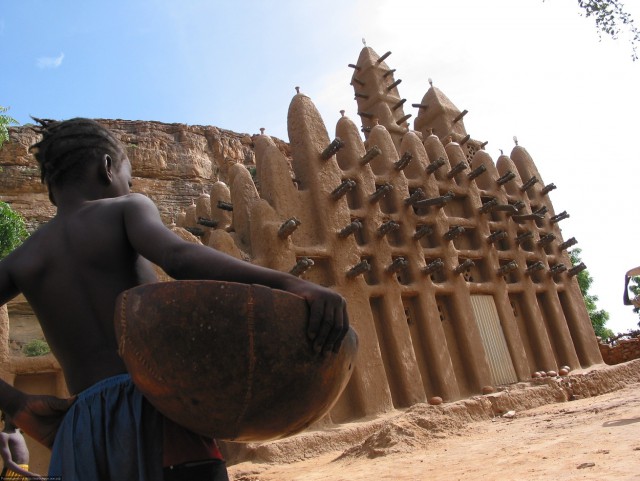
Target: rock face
{"x": 172, "y": 164}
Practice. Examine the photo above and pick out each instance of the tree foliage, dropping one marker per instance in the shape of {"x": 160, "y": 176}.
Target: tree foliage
{"x": 12, "y": 229}
{"x": 611, "y": 20}
{"x": 5, "y": 122}
{"x": 36, "y": 347}
{"x": 599, "y": 317}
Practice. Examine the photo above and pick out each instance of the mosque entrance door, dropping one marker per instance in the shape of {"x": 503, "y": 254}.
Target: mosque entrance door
{"x": 493, "y": 340}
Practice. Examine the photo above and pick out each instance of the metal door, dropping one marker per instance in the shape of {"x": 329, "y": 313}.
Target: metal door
{"x": 493, "y": 341}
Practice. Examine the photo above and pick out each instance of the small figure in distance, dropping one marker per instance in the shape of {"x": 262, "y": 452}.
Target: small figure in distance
{"x": 627, "y": 277}
{"x": 14, "y": 452}
{"x": 101, "y": 242}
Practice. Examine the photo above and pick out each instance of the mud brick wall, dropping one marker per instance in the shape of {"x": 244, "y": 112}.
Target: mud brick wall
{"x": 625, "y": 350}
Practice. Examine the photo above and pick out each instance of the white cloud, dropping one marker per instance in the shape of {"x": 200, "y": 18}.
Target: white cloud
{"x": 50, "y": 62}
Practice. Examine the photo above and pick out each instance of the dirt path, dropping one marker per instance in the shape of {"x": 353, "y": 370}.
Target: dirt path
{"x": 590, "y": 438}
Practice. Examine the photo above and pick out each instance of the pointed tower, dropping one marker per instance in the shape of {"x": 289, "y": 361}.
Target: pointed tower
{"x": 376, "y": 92}
{"x": 439, "y": 116}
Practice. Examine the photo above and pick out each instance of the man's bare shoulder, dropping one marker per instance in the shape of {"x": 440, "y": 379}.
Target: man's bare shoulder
{"x": 130, "y": 204}
{"x": 124, "y": 200}
{"x": 133, "y": 200}
{"x": 134, "y": 197}
{"x": 36, "y": 240}
{"x": 63, "y": 231}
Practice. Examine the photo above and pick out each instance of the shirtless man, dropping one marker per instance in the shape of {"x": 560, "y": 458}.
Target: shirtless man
{"x": 100, "y": 243}
{"x": 14, "y": 452}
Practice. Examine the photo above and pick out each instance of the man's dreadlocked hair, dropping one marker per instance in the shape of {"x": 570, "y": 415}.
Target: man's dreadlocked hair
{"x": 67, "y": 147}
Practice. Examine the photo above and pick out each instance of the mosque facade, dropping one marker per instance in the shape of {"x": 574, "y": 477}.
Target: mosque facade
{"x": 453, "y": 265}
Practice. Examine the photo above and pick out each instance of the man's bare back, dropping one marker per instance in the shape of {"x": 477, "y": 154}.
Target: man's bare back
{"x": 82, "y": 260}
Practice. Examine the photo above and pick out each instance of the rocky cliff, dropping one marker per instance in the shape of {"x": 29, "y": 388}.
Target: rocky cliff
{"x": 172, "y": 164}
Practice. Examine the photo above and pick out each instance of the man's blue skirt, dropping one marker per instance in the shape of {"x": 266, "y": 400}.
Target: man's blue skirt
{"x": 111, "y": 432}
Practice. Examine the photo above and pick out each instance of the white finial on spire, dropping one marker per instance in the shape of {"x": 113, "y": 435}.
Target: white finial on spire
{"x": 430, "y": 82}
{"x": 364, "y": 42}
{"x": 515, "y": 140}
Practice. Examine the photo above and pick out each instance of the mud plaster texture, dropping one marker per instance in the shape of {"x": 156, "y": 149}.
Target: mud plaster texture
{"x": 576, "y": 427}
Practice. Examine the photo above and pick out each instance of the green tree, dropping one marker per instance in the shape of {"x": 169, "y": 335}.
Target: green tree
{"x": 36, "y": 347}
{"x": 5, "y": 122}
{"x": 12, "y": 229}
{"x": 611, "y": 20}
{"x": 599, "y": 317}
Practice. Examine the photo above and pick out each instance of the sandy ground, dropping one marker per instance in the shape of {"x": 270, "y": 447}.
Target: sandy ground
{"x": 569, "y": 437}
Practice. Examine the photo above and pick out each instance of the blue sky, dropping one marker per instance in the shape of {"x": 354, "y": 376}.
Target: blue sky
{"x": 521, "y": 67}
{"x": 196, "y": 62}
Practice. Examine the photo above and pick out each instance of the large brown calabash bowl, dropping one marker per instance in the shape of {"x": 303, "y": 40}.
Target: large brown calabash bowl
{"x": 231, "y": 361}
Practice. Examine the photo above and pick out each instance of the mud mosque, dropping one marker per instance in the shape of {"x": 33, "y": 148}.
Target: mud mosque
{"x": 454, "y": 266}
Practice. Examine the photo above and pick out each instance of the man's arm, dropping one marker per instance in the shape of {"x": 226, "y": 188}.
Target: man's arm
{"x": 37, "y": 415}
{"x": 328, "y": 321}
{"x": 625, "y": 298}
{"x": 5, "y": 453}
{"x": 627, "y": 277}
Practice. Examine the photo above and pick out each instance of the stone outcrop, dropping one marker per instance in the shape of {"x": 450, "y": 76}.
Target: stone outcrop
{"x": 172, "y": 164}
